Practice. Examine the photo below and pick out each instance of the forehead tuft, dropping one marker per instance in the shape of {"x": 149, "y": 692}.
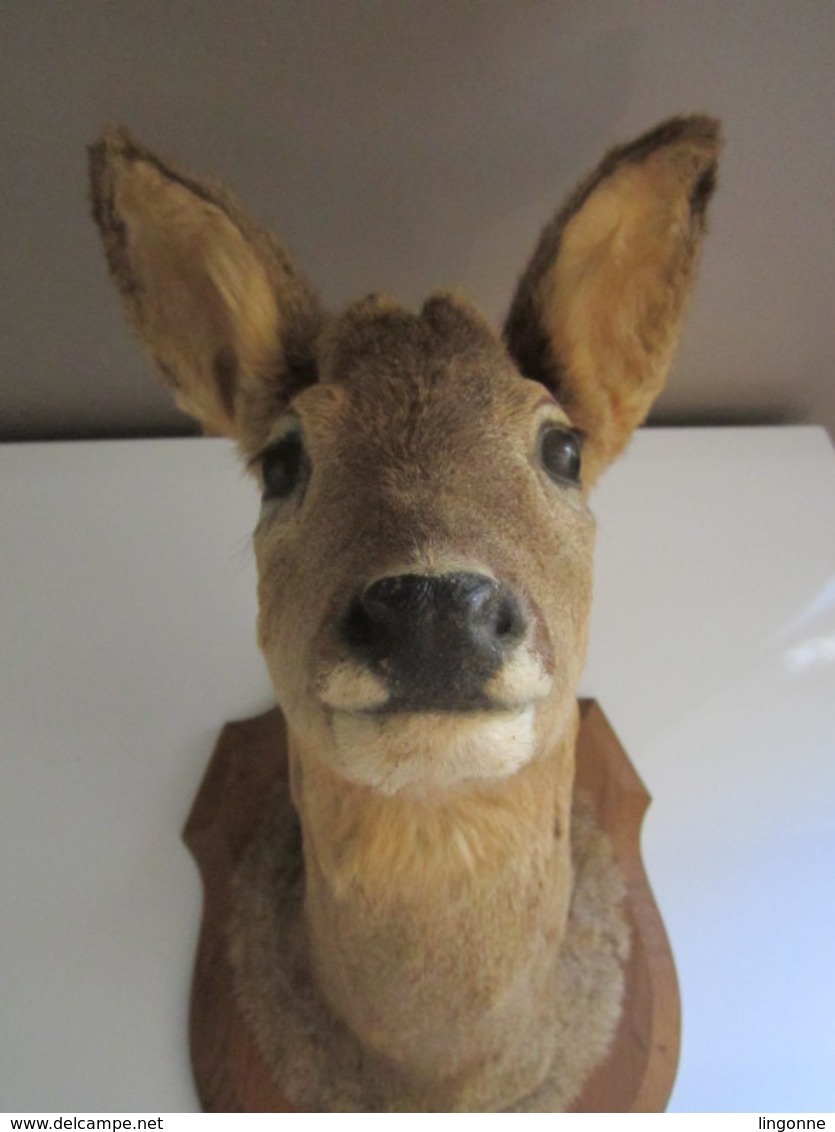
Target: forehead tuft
{"x": 375, "y": 340}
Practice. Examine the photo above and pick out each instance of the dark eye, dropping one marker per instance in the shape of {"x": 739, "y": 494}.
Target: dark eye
{"x": 559, "y": 451}
{"x": 283, "y": 467}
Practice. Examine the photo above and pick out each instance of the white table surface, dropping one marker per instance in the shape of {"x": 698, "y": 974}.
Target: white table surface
{"x": 127, "y": 610}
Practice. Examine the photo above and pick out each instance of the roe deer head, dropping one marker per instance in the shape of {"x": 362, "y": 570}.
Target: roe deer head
{"x": 424, "y": 555}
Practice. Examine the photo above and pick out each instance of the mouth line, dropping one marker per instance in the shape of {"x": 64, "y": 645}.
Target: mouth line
{"x": 393, "y": 709}
{"x": 346, "y": 690}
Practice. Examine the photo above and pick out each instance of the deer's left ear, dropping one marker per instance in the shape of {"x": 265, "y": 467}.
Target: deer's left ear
{"x": 597, "y": 314}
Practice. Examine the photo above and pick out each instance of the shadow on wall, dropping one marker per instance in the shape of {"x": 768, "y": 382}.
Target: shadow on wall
{"x": 722, "y": 418}
{"x": 700, "y": 418}
{"x": 28, "y": 436}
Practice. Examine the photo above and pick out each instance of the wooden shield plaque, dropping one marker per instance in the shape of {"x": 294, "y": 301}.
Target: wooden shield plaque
{"x": 249, "y": 762}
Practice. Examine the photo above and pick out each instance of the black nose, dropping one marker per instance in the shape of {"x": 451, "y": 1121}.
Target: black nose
{"x": 436, "y": 639}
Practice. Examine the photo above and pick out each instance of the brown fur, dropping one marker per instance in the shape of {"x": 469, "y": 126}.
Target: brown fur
{"x": 233, "y": 312}
{"x": 320, "y": 1064}
{"x": 437, "y": 847}
{"x": 597, "y": 313}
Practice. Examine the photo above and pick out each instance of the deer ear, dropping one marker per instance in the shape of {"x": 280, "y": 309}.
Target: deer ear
{"x": 597, "y": 314}
{"x": 214, "y": 299}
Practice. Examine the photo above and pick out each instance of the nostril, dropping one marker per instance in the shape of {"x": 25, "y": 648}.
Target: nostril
{"x": 361, "y": 628}
{"x": 506, "y": 621}
{"x": 381, "y": 602}
{"x": 376, "y": 615}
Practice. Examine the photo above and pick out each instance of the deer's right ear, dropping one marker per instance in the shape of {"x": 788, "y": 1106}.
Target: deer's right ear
{"x": 215, "y": 300}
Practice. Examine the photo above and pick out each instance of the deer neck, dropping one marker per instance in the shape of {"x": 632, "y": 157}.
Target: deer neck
{"x": 437, "y": 914}
{"x": 363, "y": 841}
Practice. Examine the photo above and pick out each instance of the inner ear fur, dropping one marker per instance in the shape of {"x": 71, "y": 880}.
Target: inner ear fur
{"x": 218, "y": 304}
{"x": 597, "y": 314}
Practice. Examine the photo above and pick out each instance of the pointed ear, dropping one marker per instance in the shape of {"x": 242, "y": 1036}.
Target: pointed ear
{"x": 597, "y": 314}
{"x": 215, "y": 300}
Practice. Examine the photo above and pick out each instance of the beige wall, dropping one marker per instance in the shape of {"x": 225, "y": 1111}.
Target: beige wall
{"x": 399, "y": 145}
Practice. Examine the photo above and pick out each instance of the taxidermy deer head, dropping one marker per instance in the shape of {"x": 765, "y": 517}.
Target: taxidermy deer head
{"x": 424, "y": 554}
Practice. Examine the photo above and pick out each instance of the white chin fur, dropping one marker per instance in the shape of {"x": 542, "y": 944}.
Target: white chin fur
{"x": 430, "y": 750}
{"x": 348, "y": 687}
{"x": 520, "y": 680}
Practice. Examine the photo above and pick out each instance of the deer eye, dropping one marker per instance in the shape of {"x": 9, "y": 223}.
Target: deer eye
{"x": 559, "y": 451}
{"x": 284, "y": 466}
